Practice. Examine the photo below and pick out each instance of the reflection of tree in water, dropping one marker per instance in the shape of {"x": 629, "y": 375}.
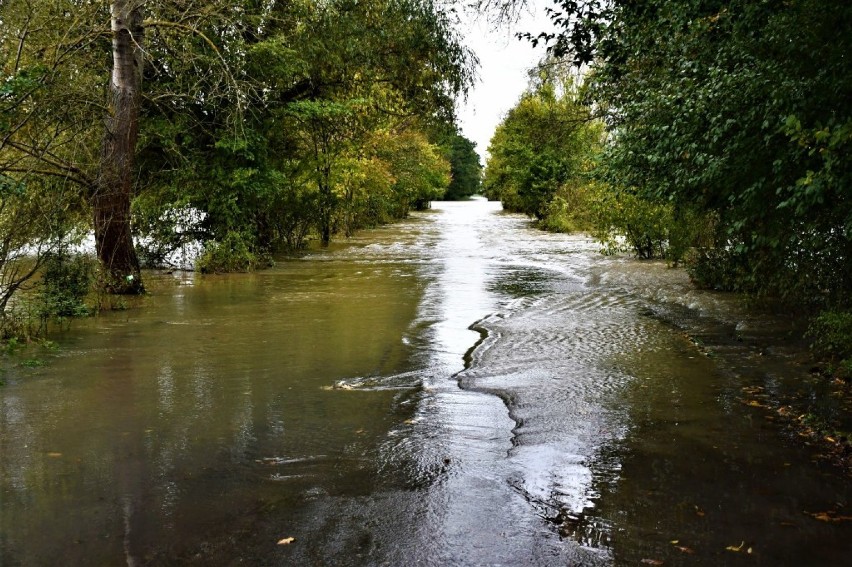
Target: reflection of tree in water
{"x": 521, "y": 282}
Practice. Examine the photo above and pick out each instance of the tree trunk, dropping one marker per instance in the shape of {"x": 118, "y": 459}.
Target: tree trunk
{"x": 114, "y": 189}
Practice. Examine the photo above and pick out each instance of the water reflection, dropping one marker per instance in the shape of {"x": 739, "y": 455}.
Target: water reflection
{"x": 156, "y": 428}
{"x": 337, "y": 400}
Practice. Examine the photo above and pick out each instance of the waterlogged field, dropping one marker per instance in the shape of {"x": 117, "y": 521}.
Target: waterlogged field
{"x": 457, "y": 389}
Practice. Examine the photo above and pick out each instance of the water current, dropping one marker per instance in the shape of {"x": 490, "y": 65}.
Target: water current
{"x": 456, "y": 389}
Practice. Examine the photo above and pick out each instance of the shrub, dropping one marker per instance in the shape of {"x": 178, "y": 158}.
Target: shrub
{"x": 831, "y": 336}
{"x": 720, "y": 268}
{"x": 234, "y": 253}
{"x": 65, "y": 283}
{"x": 643, "y": 224}
{"x": 569, "y": 209}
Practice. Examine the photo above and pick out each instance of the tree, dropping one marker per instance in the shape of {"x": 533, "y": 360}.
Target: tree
{"x": 222, "y": 135}
{"x": 542, "y": 146}
{"x": 734, "y": 113}
{"x": 53, "y": 114}
{"x": 466, "y": 169}
{"x": 739, "y": 110}
{"x": 114, "y": 187}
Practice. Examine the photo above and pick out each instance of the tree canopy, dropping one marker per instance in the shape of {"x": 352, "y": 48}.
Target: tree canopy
{"x": 243, "y": 127}
{"x": 259, "y": 123}
{"x": 735, "y": 116}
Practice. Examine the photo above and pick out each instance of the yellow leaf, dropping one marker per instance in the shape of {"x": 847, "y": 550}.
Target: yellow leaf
{"x": 736, "y": 548}
{"x": 828, "y": 516}
{"x": 286, "y": 541}
{"x": 54, "y": 455}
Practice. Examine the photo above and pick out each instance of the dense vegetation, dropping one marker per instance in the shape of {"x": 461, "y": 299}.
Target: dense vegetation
{"x": 729, "y": 132}
{"x": 245, "y": 126}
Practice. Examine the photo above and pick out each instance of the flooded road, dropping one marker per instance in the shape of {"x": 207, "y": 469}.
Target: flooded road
{"x": 457, "y": 389}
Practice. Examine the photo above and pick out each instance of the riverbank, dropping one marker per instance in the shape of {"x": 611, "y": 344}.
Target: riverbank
{"x": 787, "y": 383}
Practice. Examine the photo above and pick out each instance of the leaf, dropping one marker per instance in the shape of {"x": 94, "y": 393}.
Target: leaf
{"x": 286, "y": 541}
{"x": 54, "y": 455}
{"x": 651, "y": 562}
{"x": 684, "y": 549}
{"x": 830, "y": 516}
{"x": 736, "y": 548}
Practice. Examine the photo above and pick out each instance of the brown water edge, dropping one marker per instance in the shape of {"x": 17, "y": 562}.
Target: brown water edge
{"x": 709, "y": 472}
{"x": 766, "y": 343}
{"x": 163, "y": 432}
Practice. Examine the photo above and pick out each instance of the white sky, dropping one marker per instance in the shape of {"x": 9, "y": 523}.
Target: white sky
{"x": 504, "y": 62}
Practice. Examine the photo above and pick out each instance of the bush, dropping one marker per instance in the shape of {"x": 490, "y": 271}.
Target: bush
{"x": 721, "y": 269}
{"x": 643, "y": 224}
{"x": 66, "y": 282}
{"x": 831, "y": 335}
{"x": 235, "y": 253}
{"x": 569, "y": 210}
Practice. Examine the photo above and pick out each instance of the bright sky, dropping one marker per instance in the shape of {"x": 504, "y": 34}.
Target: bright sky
{"x": 504, "y": 62}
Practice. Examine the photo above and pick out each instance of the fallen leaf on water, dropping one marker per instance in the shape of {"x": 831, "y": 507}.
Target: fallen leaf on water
{"x": 286, "y": 541}
{"x": 735, "y": 547}
{"x": 674, "y": 541}
{"x": 685, "y": 549}
{"x": 54, "y": 454}
{"x": 829, "y": 516}
{"x": 699, "y": 511}
{"x": 651, "y": 562}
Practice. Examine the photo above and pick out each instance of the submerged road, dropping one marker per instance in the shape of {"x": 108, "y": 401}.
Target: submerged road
{"x": 457, "y": 389}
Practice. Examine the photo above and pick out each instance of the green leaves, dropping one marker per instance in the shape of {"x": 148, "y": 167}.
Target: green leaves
{"x": 542, "y": 145}
{"x": 739, "y": 110}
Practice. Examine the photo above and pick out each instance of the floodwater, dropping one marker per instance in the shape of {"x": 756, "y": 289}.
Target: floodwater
{"x": 456, "y": 389}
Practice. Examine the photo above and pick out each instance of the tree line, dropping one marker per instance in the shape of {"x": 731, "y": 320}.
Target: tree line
{"x": 247, "y": 126}
{"x": 717, "y": 133}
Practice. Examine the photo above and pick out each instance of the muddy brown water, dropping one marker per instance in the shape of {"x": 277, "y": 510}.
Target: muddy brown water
{"x": 456, "y": 389}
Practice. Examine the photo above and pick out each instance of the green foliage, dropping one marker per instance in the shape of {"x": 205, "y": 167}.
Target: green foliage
{"x": 572, "y": 208}
{"x": 737, "y": 110}
{"x": 831, "y": 335}
{"x": 235, "y": 253}
{"x": 232, "y": 254}
{"x": 66, "y": 281}
{"x": 465, "y": 167}
{"x": 542, "y": 148}
{"x": 623, "y": 221}
{"x": 292, "y": 213}
{"x": 721, "y": 269}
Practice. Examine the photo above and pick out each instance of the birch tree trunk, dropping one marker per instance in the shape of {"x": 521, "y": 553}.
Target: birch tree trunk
{"x": 114, "y": 186}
